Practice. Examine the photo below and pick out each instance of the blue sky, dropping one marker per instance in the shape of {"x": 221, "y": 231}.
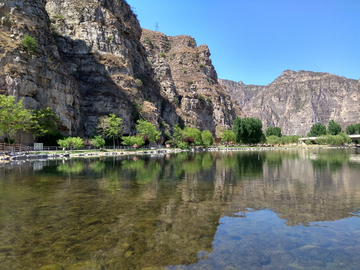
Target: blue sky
{"x": 256, "y": 40}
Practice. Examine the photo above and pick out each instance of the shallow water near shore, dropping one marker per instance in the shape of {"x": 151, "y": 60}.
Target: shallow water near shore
{"x": 286, "y": 209}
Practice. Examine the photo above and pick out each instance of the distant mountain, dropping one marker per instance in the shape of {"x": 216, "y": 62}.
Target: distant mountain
{"x": 295, "y": 100}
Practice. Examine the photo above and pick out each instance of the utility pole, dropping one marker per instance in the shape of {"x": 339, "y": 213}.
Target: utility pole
{"x": 157, "y": 27}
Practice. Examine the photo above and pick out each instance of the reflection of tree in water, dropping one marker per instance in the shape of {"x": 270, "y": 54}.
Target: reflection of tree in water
{"x": 275, "y": 158}
{"x": 331, "y": 159}
{"x": 248, "y": 166}
{"x": 301, "y": 192}
{"x": 197, "y": 162}
{"x": 97, "y": 166}
{"x": 70, "y": 167}
{"x": 144, "y": 172}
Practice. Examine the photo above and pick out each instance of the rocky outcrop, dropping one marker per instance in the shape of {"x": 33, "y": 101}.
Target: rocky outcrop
{"x": 245, "y": 95}
{"x": 93, "y": 59}
{"x": 295, "y": 100}
{"x": 189, "y": 81}
{"x": 41, "y": 78}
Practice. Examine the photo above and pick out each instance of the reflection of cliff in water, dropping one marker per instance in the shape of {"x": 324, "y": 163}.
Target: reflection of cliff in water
{"x": 132, "y": 212}
{"x": 303, "y": 187}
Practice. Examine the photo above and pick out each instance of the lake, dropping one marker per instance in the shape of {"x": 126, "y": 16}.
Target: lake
{"x": 280, "y": 209}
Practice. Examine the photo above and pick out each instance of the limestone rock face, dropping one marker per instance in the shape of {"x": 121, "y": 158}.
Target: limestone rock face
{"x": 294, "y": 100}
{"x": 99, "y": 42}
{"x": 40, "y": 77}
{"x": 93, "y": 59}
{"x": 243, "y": 96}
{"x": 189, "y": 81}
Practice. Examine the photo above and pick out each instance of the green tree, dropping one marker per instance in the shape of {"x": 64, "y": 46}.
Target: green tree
{"x": 207, "y": 138}
{"x": 247, "y": 130}
{"x": 43, "y": 122}
{"x": 178, "y": 134}
{"x": 132, "y": 140}
{"x": 13, "y": 116}
{"x": 177, "y": 137}
{"x": 317, "y": 130}
{"x": 110, "y": 126}
{"x": 275, "y": 131}
{"x": 193, "y": 133}
{"x": 71, "y": 142}
{"x": 353, "y": 129}
{"x": 97, "y": 141}
{"x": 144, "y": 127}
{"x": 333, "y": 128}
{"x": 228, "y": 136}
{"x": 29, "y": 43}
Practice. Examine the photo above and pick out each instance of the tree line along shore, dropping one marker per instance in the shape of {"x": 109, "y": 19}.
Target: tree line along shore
{"x": 44, "y": 125}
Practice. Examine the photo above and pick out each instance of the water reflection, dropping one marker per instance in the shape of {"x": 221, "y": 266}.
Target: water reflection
{"x": 200, "y": 210}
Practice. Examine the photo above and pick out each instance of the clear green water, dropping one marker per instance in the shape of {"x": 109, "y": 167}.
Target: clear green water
{"x": 292, "y": 209}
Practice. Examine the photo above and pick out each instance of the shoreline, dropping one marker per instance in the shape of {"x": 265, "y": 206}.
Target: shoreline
{"x": 35, "y": 157}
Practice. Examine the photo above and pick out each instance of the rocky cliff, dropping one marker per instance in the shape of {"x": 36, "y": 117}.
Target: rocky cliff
{"x": 188, "y": 80}
{"x": 94, "y": 59}
{"x": 294, "y": 100}
{"x": 42, "y": 79}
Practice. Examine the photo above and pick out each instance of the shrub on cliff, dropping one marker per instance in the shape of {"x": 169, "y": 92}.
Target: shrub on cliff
{"x": 29, "y": 43}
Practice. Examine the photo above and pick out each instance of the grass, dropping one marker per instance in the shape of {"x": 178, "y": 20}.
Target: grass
{"x": 59, "y": 17}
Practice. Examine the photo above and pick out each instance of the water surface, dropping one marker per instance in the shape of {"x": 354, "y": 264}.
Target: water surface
{"x": 293, "y": 209}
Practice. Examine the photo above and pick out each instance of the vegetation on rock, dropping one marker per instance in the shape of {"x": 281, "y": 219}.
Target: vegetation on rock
{"x": 29, "y": 44}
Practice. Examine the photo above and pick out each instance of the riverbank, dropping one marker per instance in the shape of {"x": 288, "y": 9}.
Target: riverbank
{"x": 83, "y": 154}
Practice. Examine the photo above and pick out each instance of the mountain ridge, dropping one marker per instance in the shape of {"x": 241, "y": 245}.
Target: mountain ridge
{"x": 296, "y": 100}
